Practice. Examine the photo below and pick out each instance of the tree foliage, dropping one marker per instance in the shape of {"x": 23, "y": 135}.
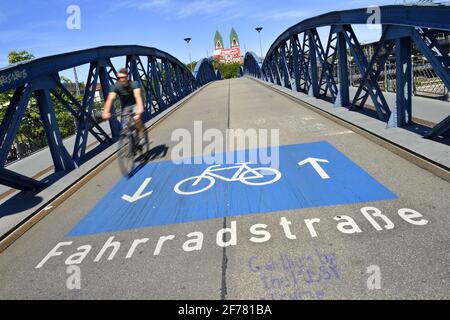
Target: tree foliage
{"x": 229, "y": 71}
{"x": 17, "y": 56}
{"x": 191, "y": 66}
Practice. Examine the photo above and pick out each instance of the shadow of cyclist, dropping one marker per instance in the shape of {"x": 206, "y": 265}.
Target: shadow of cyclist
{"x": 156, "y": 153}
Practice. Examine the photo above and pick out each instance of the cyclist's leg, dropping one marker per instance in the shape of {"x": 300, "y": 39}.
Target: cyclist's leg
{"x": 139, "y": 124}
{"x": 125, "y": 116}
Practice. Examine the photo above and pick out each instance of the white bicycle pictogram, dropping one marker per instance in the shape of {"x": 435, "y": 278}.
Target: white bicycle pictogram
{"x": 244, "y": 173}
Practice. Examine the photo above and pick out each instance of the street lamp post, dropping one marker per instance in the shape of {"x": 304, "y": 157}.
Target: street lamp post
{"x": 260, "y": 43}
{"x": 189, "y": 49}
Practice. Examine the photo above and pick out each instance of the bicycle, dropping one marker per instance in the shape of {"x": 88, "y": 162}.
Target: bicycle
{"x": 257, "y": 177}
{"x": 129, "y": 148}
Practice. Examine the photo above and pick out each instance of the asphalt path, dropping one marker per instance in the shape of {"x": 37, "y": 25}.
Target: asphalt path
{"x": 289, "y": 243}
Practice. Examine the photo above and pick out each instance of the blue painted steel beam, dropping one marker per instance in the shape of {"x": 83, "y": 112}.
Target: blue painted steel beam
{"x": 296, "y": 61}
{"x": 433, "y": 16}
{"x": 440, "y": 129}
{"x": 178, "y": 82}
{"x": 139, "y": 74}
{"x": 403, "y": 81}
{"x": 284, "y": 67}
{"x": 374, "y": 69}
{"x": 18, "y": 181}
{"x": 10, "y": 124}
{"x": 8, "y": 121}
{"x": 327, "y": 81}
{"x": 434, "y": 53}
{"x": 168, "y": 83}
{"x": 204, "y": 72}
{"x": 79, "y": 113}
{"x": 62, "y": 160}
{"x": 344, "y": 85}
{"x": 157, "y": 84}
{"x": 105, "y": 82}
{"x": 289, "y": 64}
{"x": 374, "y": 89}
{"x": 84, "y": 125}
{"x": 166, "y": 79}
{"x": 314, "y": 87}
{"x": 24, "y": 72}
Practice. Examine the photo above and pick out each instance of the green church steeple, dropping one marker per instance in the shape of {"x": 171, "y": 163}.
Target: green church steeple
{"x": 234, "y": 39}
{"x": 218, "y": 41}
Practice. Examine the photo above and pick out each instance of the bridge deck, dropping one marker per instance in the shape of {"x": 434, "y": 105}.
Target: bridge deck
{"x": 308, "y": 258}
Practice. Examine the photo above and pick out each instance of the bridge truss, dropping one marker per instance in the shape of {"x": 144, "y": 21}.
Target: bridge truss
{"x": 163, "y": 78}
{"x": 299, "y": 60}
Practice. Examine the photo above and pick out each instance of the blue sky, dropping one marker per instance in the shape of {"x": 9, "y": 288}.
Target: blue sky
{"x": 40, "y": 26}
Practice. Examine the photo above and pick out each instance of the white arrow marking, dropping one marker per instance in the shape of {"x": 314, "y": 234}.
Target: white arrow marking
{"x": 315, "y": 164}
{"x": 138, "y": 195}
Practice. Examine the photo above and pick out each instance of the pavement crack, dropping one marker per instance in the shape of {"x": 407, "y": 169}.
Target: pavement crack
{"x": 223, "y": 290}
{"x": 229, "y": 104}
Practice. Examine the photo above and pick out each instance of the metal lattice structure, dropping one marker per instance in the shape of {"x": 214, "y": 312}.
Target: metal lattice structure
{"x": 300, "y": 61}
{"x": 252, "y": 64}
{"x": 204, "y": 72}
{"x": 163, "y": 78}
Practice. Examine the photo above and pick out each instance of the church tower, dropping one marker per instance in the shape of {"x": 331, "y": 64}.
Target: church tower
{"x": 218, "y": 41}
{"x": 234, "y": 39}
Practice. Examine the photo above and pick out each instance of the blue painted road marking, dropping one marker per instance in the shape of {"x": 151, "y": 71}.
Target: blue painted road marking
{"x": 309, "y": 175}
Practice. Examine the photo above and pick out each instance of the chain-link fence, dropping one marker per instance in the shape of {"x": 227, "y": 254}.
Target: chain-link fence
{"x": 425, "y": 80}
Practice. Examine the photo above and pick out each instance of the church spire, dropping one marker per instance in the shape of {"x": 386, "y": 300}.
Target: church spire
{"x": 234, "y": 39}
{"x": 218, "y": 41}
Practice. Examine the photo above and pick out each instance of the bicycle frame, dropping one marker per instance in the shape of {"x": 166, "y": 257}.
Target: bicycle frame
{"x": 236, "y": 177}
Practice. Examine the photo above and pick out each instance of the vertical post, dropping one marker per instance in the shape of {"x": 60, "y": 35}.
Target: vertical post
{"x": 11, "y": 121}
{"x": 84, "y": 125}
{"x": 157, "y": 84}
{"x": 296, "y": 60}
{"x": 77, "y": 84}
{"x": 343, "y": 71}
{"x": 133, "y": 69}
{"x": 260, "y": 42}
{"x": 385, "y": 76}
{"x": 188, "y": 40}
{"x": 168, "y": 82}
{"x": 403, "y": 80}
{"x": 104, "y": 82}
{"x": 61, "y": 158}
{"x": 284, "y": 67}
{"x": 314, "y": 89}
{"x": 179, "y": 91}
{"x": 350, "y": 71}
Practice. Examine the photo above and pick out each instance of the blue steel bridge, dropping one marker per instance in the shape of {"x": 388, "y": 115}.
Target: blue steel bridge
{"x": 363, "y": 177}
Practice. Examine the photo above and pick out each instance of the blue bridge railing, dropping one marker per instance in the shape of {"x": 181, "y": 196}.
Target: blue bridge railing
{"x": 163, "y": 78}
{"x": 300, "y": 61}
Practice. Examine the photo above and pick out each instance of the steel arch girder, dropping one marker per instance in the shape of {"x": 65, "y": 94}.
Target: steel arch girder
{"x": 40, "y": 76}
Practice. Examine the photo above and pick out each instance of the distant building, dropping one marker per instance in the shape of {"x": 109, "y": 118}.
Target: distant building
{"x": 72, "y": 88}
{"x": 230, "y": 55}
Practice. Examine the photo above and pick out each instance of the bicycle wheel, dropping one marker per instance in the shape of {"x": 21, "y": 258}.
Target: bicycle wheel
{"x": 126, "y": 154}
{"x": 268, "y": 176}
{"x": 188, "y": 186}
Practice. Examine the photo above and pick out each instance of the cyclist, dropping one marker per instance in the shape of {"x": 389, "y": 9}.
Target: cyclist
{"x": 129, "y": 93}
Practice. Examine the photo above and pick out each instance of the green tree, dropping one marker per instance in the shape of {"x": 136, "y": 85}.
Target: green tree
{"x": 229, "y": 71}
{"x": 191, "y": 66}
{"x": 17, "y": 56}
